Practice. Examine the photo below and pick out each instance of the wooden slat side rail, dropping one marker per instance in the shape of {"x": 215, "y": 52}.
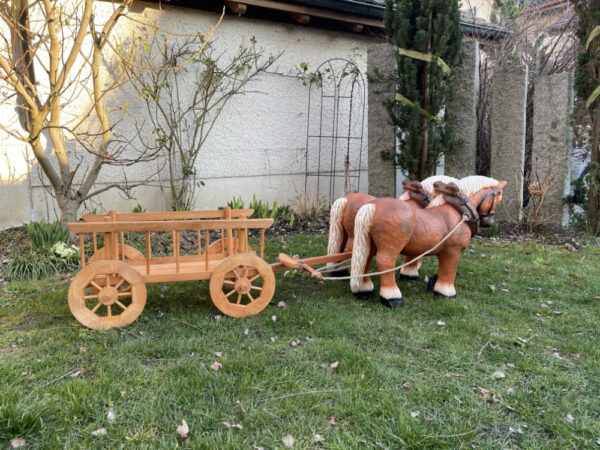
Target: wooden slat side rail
{"x": 148, "y": 252}
{"x": 168, "y": 215}
{"x": 176, "y": 250}
{"x": 229, "y": 242}
{"x": 316, "y": 260}
{"x": 206, "y": 244}
{"x": 168, "y": 225}
{"x": 82, "y": 250}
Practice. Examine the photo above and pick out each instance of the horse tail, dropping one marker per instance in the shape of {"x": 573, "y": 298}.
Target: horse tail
{"x": 336, "y": 230}
{"x": 362, "y": 244}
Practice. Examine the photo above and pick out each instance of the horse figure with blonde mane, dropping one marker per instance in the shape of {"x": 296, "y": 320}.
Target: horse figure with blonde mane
{"x": 386, "y": 227}
{"x": 344, "y": 209}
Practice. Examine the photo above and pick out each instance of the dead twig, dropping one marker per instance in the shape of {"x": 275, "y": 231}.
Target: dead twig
{"x": 481, "y": 350}
{"x": 61, "y": 377}
{"x": 188, "y": 324}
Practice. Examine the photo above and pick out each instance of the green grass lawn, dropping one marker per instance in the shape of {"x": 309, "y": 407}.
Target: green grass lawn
{"x": 513, "y": 361}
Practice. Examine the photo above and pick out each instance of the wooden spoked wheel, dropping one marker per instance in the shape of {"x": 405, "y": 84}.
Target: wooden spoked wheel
{"x": 242, "y": 285}
{"x": 130, "y": 254}
{"x": 107, "y": 294}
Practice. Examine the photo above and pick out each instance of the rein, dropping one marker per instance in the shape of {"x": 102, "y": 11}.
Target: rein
{"x": 317, "y": 272}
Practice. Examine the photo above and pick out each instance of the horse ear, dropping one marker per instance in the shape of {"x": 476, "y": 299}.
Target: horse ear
{"x": 501, "y": 185}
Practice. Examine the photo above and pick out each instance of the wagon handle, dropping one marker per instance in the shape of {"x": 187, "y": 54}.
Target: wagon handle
{"x": 298, "y": 265}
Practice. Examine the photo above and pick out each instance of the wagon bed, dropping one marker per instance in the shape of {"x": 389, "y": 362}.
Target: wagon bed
{"x": 110, "y": 289}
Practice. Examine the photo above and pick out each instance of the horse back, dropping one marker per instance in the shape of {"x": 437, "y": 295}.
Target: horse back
{"x": 394, "y": 218}
{"x": 355, "y": 202}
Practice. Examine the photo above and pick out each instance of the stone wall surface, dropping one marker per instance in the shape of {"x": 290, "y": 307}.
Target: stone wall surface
{"x": 552, "y": 143}
{"x": 509, "y": 103}
{"x": 258, "y": 146}
{"x": 460, "y": 161}
{"x": 382, "y": 137}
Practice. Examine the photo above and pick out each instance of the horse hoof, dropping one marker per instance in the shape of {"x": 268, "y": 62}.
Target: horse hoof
{"x": 400, "y": 276}
{"x": 391, "y": 302}
{"x": 431, "y": 283}
{"x": 437, "y": 294}
{"x": 364, "y": 295}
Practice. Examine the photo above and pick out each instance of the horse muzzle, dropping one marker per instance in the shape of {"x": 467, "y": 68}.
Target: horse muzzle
{"x": 486, "y": 221}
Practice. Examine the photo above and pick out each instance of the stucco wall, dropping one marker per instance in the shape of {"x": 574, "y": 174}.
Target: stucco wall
{"x": 257, "y": 147}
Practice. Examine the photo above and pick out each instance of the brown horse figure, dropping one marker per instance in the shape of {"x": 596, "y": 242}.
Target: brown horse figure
{"x": 344, "y": 209}
{"x": 387, "y": 227}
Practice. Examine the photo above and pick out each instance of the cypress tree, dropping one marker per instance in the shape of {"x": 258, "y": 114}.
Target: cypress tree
{"x": 587, "y": 81}
{"x": 429, "y": 27}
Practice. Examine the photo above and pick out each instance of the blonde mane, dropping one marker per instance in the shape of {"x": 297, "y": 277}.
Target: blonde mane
{"x": 468, "y": 186}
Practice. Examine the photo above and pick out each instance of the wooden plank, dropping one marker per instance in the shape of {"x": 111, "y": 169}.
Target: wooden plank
{"x": 316, "y": 260}
{"x": 167, "y": 215}
{"x": 148, "y": 252}
{"x": 82, "y": 250}
{"x": 122, "y": 246}
{"x": 317, "y": 12}
{"x": 300, "y": 18}
{"x": 168, "y": 225}
{"x": 238, "y": 8}
{"x": 176, "y": 251}
{"x": 262, "y": 244}
{"x": 206, "y": 245}
{"x": 229, "y": 242}
{"x": 95, "y": 240}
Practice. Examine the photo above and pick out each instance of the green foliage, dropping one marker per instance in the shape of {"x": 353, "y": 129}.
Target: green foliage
{"x": 587, "y": 81}
{"x": 431, "y": 27}
{"x": 139, "y": 209}
{"x": 38, "y": 263}
{"x": 261, "y": 209}
{"x": 42, "y": 234}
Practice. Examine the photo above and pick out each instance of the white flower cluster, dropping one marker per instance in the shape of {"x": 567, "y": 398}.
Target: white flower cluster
{"x": 65, "y": 250}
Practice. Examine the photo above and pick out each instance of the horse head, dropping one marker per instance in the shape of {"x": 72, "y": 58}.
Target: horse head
{"x": 417, "y": 192}
{"x": 455, "y": 198}
{"x": 488, "y": 202}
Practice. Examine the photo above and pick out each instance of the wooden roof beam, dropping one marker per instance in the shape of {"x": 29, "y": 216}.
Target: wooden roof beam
{"x": 238, "y": 8}
{"x": 303, "y": 10}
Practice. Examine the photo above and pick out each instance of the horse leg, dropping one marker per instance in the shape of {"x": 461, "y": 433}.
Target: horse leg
{"x": 443, "y": 283}
{"x": 410, "y": 272}
{"x": 366, "y": 283}
{"x": 389, "y": 293}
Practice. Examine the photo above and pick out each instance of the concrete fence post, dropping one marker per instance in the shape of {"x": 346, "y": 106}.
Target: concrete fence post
{"x": 460, "y": 161}
{"x": 381, "y": 67}
{"x": 552, "y": 143}
{"x": 507, "y": 162}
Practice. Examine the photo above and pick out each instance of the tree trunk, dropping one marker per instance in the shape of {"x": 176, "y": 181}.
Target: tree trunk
{"x": 69, "y": 209}
{"x": 594, "y": 177}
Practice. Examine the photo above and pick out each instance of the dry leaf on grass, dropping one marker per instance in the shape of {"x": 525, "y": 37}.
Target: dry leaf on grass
{"x": 246, "y": 331}
{"x": 282, "y": 304}
{"x": 239, "y": 407}
{"x": 569, "y": 418}
{"x": 99, "y": 432}
{"x": 216, "y": 366}
{"x": 82, "y": 349}
{"x": 17, "y": 442}
{"x": 274, "y": 318}
{"x": 441, "y": 323}
{"x": 218, "y": 354}
{"x": 407, "y": 385}
{"x": 110, "y": 416}
{"x": 232, "y": 425}
{"x": 318, "y": 438}
{"x": 288, "y": 440}
{"x": 334, "y": 366}
{"x": 183, "y": 429}
{"x": 296, "y": 342}
{"x": 414, "y": 414}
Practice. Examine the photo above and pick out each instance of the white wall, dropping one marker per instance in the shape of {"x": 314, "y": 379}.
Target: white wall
{"x": 257, "y": 147}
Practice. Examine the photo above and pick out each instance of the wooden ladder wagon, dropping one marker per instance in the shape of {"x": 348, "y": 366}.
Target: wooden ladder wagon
{"x": 110, "y": 289}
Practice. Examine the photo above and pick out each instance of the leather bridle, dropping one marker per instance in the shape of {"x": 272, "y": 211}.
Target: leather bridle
{"x": 493, "y": 193}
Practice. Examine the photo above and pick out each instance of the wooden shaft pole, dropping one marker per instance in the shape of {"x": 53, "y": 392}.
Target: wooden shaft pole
{"x": 229, "y": 241}
{"x": 95, "y": 240}
{"x": 206, "y": 244}
{"x": 262, "y": 243}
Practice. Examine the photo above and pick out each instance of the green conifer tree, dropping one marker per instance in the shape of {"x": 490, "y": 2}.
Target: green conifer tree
{"x": 587, "y": 81}
{"x": 431, "y": 27}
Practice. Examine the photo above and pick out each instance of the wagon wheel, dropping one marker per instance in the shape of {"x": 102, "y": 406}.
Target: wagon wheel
{"x": 130, "y": 254}
{"x": 242, "y": 285}
{"x": 107, "y": 294}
